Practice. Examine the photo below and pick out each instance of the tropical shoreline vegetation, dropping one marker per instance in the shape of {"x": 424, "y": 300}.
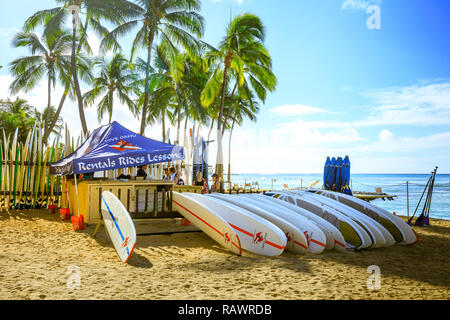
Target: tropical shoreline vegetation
{"x": 181, "y": 79}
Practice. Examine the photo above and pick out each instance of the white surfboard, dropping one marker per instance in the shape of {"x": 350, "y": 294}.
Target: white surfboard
{"x": 257, "y": 235}
{"x": 354, "y": 235}
{"x": 400, "y": 230}
{"x": 316, "y": 239}
{"x": 335, "y": 239}
{"x": 208, "y": 220}
{"x": 375, "y": 234}
{"x": 379, "y": 234}
{"x": 319, "y": 240}
{"x": 296, "y": 240}
{"x": 119, "y": 225}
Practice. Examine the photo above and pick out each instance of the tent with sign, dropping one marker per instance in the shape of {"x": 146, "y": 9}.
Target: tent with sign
{"x": 114, "y": 147}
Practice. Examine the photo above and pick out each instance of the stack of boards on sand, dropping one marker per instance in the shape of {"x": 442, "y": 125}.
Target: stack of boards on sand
{"x": 362, "y": 224}
{"x": 299, "y": 222}
{"x": 400, "y": 230}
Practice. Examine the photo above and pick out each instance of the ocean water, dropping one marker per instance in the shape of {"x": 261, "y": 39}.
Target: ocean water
{"x": 393, "y": 184}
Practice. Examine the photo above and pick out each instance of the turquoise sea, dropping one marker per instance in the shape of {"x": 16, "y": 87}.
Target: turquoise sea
{"x": 394, "y": 184}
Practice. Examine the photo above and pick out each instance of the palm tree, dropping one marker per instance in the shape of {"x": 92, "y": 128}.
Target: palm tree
{"x": 52, "y": 115}
{"x": 17, "y": 114}
{"x": 49, "y": 56}
{"x": 113, "y": 11}
{"x": 241, "y": 54}
{"x": 172, "y": 21}
{"x": 115, "y": 78}
{"x": 84, "y": 69}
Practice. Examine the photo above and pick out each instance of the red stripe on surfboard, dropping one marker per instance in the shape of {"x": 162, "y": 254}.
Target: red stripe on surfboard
{"x": 341, "y": 244}
{"x": 275, "y": 245}
{"x": 241, "y": 230}
{"x": 300, "y": 244}
{"x": 251, "y": 235}
{"x": 239, "y": 247}
{"x": 199, "y": 218}
{"x": 232, "y": 242}
{"x": 319, "y": 243}
{"x": 130, "y": 253}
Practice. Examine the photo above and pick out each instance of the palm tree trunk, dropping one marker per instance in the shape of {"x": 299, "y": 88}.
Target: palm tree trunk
{"x": 185, "y": 124}
{"x": 178, "y": 125}
{"x": 163, "y": 115}
{"x": 58, "y": 111}
{"x": 147, "y": 76}
{"x": 219, "y": 157}
{"x": 229, "y": 110}
{"x": 49, "y": 103}
{"x": 210, "y": 129}
{"x": 229, "y": 155}
{"x": 76, "y": 82}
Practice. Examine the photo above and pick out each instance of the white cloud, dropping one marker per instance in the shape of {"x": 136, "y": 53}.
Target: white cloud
{"x": 386, "y": 135}
{"x": 296, "y": 110}
{"x": 423, "y": 105}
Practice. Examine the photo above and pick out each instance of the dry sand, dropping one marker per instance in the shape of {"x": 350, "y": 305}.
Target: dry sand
{"x": 38, "y": 253}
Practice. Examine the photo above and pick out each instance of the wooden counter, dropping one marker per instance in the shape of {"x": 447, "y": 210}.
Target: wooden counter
{"x": 142, "y": 198}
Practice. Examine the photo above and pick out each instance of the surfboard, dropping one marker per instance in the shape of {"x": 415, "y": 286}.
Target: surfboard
{"x": 335, "y": 239}
{"x": 354, "y": 235}
{"x": 257, "y": 235}
{"x": 119, "y": 225}
{"x": 400, "y": 230}
{"x": 381, "y": 237}
{"x": 208, "y": 220}
{"x": 318, "y": 240}
{"x": 296, "y": 240}
{"x": 375, "y": 235}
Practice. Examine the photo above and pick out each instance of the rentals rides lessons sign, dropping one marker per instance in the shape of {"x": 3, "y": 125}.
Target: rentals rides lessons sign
{"x": 114, "y": 147}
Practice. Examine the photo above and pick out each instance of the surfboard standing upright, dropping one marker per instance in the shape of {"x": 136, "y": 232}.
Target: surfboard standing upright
{"x": 119, "y": 225}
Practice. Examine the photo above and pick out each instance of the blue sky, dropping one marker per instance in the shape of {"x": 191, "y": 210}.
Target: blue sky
{"x": 380, "y": 96}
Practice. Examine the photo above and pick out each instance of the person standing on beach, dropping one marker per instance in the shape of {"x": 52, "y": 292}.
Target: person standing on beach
{"x": 178, "y": 179}
{"x": 199, "y": 181}
{"x": 217, "y": 185}
{"x": 166, "y": 174}
{"x": 172, "y": 174}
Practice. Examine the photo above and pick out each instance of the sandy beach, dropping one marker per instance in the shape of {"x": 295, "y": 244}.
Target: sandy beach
{"x": 40, "y": 253}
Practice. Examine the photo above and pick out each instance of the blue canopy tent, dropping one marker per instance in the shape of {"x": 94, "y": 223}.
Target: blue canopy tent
{"x": 113, "y": 147}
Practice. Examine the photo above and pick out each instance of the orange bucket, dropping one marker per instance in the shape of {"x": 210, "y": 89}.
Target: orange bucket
{"x": 78, "y": 222}
{"x": 51, "y": 208}
{"x": 64, "y": 213}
